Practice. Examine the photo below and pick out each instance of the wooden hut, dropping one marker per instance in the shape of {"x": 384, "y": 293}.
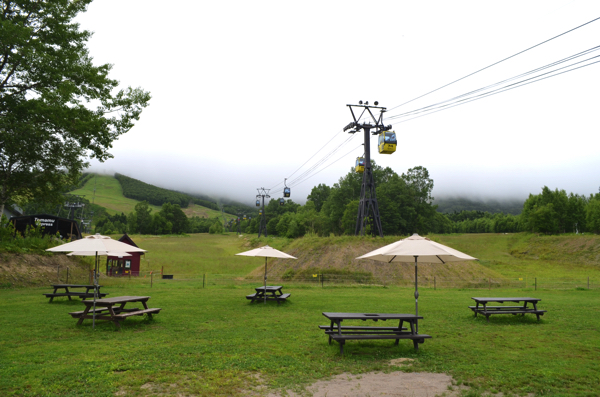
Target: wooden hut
{"x": 125, "y": 265}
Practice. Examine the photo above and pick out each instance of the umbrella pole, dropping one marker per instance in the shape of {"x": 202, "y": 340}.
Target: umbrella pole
{"x": 416, "y": 297}
{"x": 95, "y": 290}
{"x": 265, "y": 291}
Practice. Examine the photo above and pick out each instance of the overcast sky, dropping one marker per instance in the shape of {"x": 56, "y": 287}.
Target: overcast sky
{"x": 245, "y": 93}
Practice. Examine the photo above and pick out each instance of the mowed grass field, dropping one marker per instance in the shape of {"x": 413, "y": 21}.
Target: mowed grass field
{"x": 211, "y": 341}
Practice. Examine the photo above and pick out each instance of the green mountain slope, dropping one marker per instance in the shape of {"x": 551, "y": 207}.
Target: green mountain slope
{"x": 109, "y": 194}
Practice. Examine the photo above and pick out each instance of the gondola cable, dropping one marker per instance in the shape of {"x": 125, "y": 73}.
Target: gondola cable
{"x": 496, "y": 63}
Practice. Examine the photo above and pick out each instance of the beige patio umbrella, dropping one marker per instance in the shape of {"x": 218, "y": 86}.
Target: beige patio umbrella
{"x": 100, "y": 253}
{"x": 267, "y": 252}
{"x": 419, "y": 249}
{"x": 96, "y": 245}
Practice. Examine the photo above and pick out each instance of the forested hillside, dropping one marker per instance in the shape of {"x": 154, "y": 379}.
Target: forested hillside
{"x": 141, "y": 191}
{"x": 449, "y": 205}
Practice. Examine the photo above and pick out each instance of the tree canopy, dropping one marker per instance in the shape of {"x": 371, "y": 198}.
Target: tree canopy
{"x": 57, "y": 109}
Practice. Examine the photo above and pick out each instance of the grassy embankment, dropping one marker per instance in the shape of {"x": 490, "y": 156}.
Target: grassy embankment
{"x": 109, "y": 195}
{"x": 211, "y": 341}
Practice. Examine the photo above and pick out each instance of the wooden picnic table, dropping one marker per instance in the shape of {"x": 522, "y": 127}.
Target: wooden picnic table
{"x": 113, "y": 309}
{"x": 521, "y": 309}
{"x": 89, "y": 291}
{"x": 270, "y": 293}
{"x": 335, "y": 331}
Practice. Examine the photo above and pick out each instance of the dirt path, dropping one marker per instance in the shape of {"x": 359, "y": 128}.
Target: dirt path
{"x": 398, "y": 384}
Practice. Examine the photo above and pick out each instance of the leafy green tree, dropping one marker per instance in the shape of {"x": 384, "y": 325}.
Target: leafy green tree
{"x": 318, "y": 195}
{"x": 345, "y": 190}
{"x": 592, "y": 214}
{"x": 160, "y": 224}
{"x": 57, "y": 109}
{"x": 174, "y": 214}
{"x": 420, "y": 185}
{"x": 216, "y": 228}
{"x": 349, "y": 217}
{"x": 141, "y": 220}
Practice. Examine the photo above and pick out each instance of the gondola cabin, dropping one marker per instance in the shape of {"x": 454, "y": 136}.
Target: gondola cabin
{"x": 260, "y": 212}
{"x": 281, "y": 201}
{"x": 360, "y": 165}
{"x": 124, "y": 265}
{"x": 387, "y": 142}
{"x": 286, "y": 192}
{"x": 258, "y": 203}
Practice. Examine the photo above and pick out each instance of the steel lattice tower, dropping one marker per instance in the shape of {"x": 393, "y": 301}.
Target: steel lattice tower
{"x": 262, "y": 193}
{"x": 368, "y": 210}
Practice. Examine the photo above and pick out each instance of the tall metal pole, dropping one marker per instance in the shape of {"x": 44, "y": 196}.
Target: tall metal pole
{"x": 416, "y": 298}
{"x": 265, "y": 291}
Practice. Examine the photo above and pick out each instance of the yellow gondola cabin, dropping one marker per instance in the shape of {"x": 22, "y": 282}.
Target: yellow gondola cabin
{"x": 360, "y": 165}
{"x": 387, "y": 142}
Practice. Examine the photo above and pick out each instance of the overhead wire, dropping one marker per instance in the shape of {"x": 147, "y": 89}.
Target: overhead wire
{"x": 314, "y": 168}
{"x": 569, "y": 58}
{"x": 496, "y": 63}
{"x": 469, "y": 97}
{"x": 330, "y": 164}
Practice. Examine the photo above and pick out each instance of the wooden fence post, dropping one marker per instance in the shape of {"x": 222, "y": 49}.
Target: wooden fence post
{"x": 68, "y": 275}
{"x": 151, "y": 279}
{"x": 434, "y": 286}
{"x": 489, "y": 283}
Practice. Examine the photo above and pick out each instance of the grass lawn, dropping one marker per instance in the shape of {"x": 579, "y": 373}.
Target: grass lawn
{"x": 214, "y": 342}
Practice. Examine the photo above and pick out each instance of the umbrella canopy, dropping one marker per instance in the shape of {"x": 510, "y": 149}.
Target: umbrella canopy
{"x": 96, "y": 243}
{"x": 426, "y": 250}
{"x": 418, "y": 249}
{"x": 99, "y": 253}
{"x": 267, "y": 252}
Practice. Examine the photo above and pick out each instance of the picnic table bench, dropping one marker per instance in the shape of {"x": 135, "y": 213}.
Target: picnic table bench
{"x": 521, "y": 309}
{"x": 270, "y": 293}
{"x": 89, "y": 291}
{"x": 335, "y": 331}
{"x": 113, "y": 309}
